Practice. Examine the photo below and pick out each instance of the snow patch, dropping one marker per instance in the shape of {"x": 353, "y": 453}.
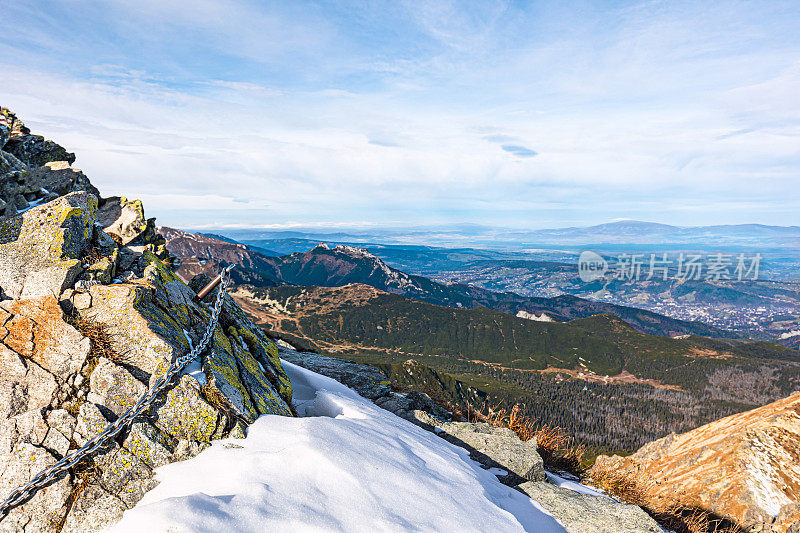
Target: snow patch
{"x": 533, "y": 316}
{"x": 347, "y": 466}
{"x": 569, "y": 482}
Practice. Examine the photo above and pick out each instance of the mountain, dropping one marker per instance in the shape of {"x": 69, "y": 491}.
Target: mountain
{"x": 361, "y": 317}
{"x": 614, "y": 387}
{"x": 341, "y": 265}
{"x": 637, "y": 232}
{"x": 205, "y": 254}
{"x": 745, "y": 468}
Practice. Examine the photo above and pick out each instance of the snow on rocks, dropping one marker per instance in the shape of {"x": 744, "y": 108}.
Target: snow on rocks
{"x": 347, "y": 466}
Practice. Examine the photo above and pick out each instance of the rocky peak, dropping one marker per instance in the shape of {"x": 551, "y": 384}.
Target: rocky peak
{"x": 91, "y": 314}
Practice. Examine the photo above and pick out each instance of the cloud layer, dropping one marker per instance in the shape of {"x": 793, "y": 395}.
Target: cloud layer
{"x": 528, "y": 115}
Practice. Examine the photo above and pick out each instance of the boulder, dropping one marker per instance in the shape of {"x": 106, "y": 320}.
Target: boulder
{"x": 579, "y": 513}
{"x": 40, "y": 249}
{"x": 495, "y": 447}
{"x": 57, "y": 178}
{"x": 368, "y": 381}
{"x": 35, "y": 151}
{"x": 744, "y": 467}
{"x": 122, "y": 218}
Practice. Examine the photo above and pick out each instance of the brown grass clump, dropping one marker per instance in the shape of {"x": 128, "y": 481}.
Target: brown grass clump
{"x": 558, "y": 450}
{"x": 99, "y": 338}
{"x": 84, "y": 474}
{"x": 668, "y": 512}
{"x": 91, "y": 255}
{"x": 216, "y": 399}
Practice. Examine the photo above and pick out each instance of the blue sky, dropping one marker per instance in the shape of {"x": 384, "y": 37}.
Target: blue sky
{"x": 338, "y": 114}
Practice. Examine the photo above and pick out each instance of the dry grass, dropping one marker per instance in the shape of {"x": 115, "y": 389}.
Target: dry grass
{"x": 558, "y": 450}
{"x": 218, "y": 400}
{"x": 91, "y": 255}
{"x": 99, "y": 338}
{"x": 84, "y": 473}
{"x": 668, "y": 512}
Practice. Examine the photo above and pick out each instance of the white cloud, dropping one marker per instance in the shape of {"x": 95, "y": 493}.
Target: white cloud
{"x": 660, "y": 107}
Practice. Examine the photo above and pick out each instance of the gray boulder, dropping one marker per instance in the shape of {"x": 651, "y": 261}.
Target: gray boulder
{"x": 40, "y": 250}
{"x": 365, "y": 380}
{"x": 580, "y": 513}
{"x": 495, "y": 447}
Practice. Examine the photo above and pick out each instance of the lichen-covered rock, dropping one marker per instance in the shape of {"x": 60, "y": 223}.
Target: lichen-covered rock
{"x": 59, "y": 388}
{"x": 496, "y": 447}
{"x": 580, "y": 513}
{"x": 40, "y": 249}
{"x": 114, "y": 387}
{"x": 24, "y": 462}
{"x": 122, "y": 218}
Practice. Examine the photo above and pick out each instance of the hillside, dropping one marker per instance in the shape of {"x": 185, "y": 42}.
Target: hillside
{"x": 611, "y": 385}
{"x": 331, "y": 267}
{"x": 204, "y": 254}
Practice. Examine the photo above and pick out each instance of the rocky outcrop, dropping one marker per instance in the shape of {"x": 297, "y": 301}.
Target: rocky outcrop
{"x": 41, "y": 250}
{"x": 91, "y": 315}
{"x": 745, "y": 467}
{"x": 32, "y": 169}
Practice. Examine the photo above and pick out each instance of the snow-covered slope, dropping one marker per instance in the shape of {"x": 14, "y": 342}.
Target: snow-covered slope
{"x": 345, "y": 465}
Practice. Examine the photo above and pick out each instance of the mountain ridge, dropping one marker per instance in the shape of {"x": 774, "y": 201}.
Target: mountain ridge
{"x": 342, "y": 264}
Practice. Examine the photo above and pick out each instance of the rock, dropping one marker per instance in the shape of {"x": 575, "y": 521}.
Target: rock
{"x": 113, "y": 387}
{"x": 495, "y": 447}
{"x": 58, "y": 178}
{"x": 406, "y": 405}
{"x": 148, "y": 444}
{"x": 36, "y": 331}
{"x": 26, "y": 461}
{"x": 579, "y": 513}
{"x": 365, "y": 380}
{"x": 90, "y": 422}
{"x": 744, "y": 467}
{"x": 40, "y": 249}
{"x": 122, "y": 218}
{"x": 35, "y": 151}
{"x": 185, "y": 415}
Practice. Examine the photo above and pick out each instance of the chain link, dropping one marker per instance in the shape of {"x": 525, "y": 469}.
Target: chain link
{"x": 46, "y": 476}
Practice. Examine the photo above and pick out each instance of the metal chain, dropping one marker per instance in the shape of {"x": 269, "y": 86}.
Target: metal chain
{"x": 43, "y": 478}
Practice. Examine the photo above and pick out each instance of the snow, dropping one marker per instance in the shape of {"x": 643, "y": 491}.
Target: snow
{"x": 345, "y": 465}
{"x": 564, "y": 481}
{"x": 194, "y": 367}
{"x": 533, "y": 316}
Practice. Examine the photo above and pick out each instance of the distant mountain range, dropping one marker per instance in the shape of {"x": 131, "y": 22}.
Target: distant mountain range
{"x": 341, "y": 265}
{"x": 620, "y": 232}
